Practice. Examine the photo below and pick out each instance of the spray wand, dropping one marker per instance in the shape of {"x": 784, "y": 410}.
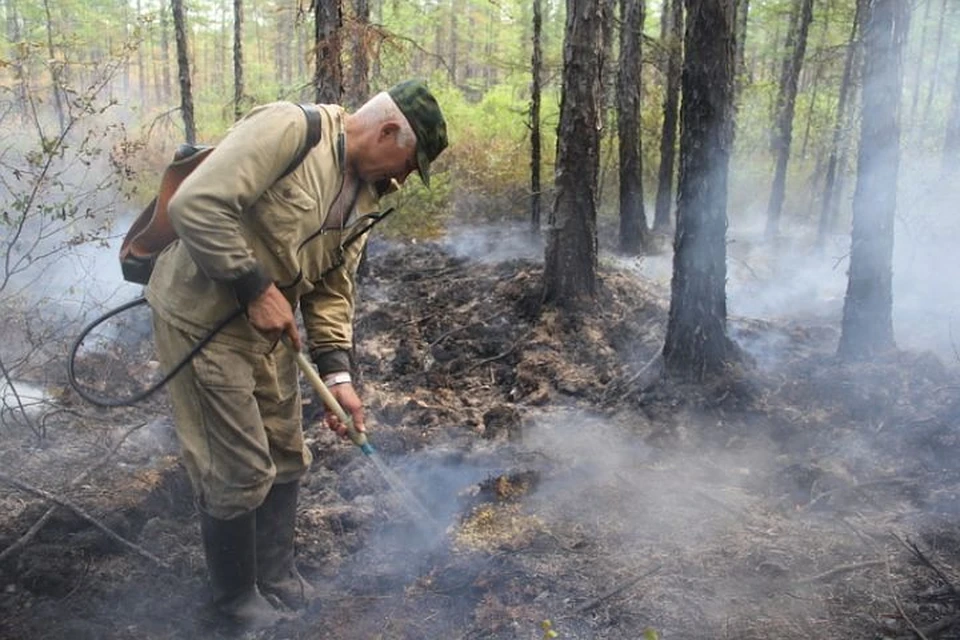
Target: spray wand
{"x": 358, "y": 437}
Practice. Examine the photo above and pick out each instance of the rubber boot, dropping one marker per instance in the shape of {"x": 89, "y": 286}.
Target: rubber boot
{"x": 231, "y": 551}
{"x": 277, "y": 574}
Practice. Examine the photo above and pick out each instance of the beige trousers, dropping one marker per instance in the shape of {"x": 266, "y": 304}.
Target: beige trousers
{"x": 238, "y": 419}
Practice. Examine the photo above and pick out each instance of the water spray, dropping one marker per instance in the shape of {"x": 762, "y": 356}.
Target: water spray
{"x": 422, "y": 516}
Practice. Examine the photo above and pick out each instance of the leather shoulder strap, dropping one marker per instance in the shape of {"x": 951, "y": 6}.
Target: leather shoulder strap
{"x": 314, "y": 132}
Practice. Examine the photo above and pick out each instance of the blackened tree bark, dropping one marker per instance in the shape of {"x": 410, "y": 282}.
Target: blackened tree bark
{"x": 536, "y": 91}
{"x": 696, "y": 343}
{"x": 786, "y": 105}
{"x": 328, "y": 72}
{"x": 633, "y": 220}
{"x": 673, "y": 42}
{"x": 828, "y": 206}
{"x": 238, "y": 88}
{"x": 867, "y": 327}
{"x": 570, "y": 269}
{"x": 951, "y": 144}
{"x": 360, "y": 71}
{"x": 183, "y": 70}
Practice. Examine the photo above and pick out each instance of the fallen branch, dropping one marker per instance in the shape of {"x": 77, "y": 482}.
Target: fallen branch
{"x": 934, "y": 629}
{"x": 915, "y": 550}
{"x": 616, "y": 590}
{"x": 896, "y": 602}
{"x": 843, "y": 568}
{"x": 39, "y": 524}
{"x": 63, "y": 502}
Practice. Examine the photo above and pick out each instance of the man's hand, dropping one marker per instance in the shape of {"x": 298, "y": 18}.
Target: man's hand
{"x": 347, "y": 396}
{"x": 272, "y": 315}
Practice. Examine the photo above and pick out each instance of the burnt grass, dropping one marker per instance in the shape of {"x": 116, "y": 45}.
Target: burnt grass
{"x": 566, "y": 480}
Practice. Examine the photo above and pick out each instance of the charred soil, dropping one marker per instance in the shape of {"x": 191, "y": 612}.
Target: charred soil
{"x": 566, "y": 480}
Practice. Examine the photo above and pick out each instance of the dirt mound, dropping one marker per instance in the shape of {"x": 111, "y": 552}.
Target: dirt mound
{"x": 564, "y": 479}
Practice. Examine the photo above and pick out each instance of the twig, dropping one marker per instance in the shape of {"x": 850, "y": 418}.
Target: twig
{"x": 449, "y": 333}
{"x": 915, "y": 550}
{"x": 39, "y": 524}
{"x": 896, "y": 603}
{"x": 499, "y": 356}
{"x": 622, "y": 587}
{"x": 655, "y": 363}
{"x": 63, "y": 502}
{"x": 843, "y": 568}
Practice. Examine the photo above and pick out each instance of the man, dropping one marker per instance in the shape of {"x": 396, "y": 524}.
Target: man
{"x": 252, "y": 238}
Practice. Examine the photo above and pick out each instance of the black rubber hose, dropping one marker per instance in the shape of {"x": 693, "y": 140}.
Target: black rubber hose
{"x": 371, "y": 219}
{"x": 101, "y": 401}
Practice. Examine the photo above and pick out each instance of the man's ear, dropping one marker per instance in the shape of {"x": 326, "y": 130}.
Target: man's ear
{"x": 388, "y": 129}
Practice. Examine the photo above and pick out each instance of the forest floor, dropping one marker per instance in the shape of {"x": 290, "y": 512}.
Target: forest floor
{"x": 795, "y": 497}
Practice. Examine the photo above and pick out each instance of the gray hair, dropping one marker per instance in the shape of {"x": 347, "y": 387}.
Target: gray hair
{"x": 381, "y": 109}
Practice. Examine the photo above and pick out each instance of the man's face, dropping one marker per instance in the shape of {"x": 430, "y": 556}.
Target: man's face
{"x": 391, "y": 158}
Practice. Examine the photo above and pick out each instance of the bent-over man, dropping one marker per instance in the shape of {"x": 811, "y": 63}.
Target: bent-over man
{"x": 254, "y": 238}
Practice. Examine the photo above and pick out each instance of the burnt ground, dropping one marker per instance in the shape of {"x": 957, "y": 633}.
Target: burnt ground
{"x": 795, "y": 497}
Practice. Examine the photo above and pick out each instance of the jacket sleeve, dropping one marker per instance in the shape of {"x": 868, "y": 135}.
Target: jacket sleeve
{"x": 207, "y": 207}
{"x": 328, "y": 313}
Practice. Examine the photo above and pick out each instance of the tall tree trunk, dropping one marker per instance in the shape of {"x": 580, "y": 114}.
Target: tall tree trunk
{"x": 696, "y": 343}
{"x": 867, "y": 327}
{"x": 219, "y": 67}
{"x": 935, "y": 75}
{"x": 455, "y": 8}
{"x": 165, "y": 50}
{"x": 238, "y": 86}
{"x": 141, "y": 65}
{"x": 951, "y": 144}
{"x": 824, "y": 32}
{"x": 13, "y": 38}
{"x": 56, "y": 68}
{"x": 183, "y": 70}
{"x": 570, "y": 269}
{"x": 828, "y": 211}
{"x": 671, "y": 108}
{"x": 328, "y": 75}
{"x": 923, "y": 49}
{"x": 360, "y": 76}
{"x": 740, "y": 70}
{"x": 633, "y": 221}
{"x": 490, "y": 49}
{"x": 783, "y": 129}
{"x": 536, "y": 65}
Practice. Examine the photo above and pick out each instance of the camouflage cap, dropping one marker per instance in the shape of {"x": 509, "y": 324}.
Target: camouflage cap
{"x": 423, "y": 113}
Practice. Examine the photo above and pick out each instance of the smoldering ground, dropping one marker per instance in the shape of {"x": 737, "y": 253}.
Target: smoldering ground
{"x": 761, "y": 506}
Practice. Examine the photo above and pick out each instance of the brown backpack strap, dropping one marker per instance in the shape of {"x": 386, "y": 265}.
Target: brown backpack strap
{"x": 314, "y": 132}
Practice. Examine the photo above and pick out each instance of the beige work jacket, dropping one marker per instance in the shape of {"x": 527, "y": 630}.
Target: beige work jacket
{"x": 234, "y": 216}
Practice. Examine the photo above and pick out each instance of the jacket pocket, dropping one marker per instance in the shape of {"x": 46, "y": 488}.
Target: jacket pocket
{"x": 279, "y": 222}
